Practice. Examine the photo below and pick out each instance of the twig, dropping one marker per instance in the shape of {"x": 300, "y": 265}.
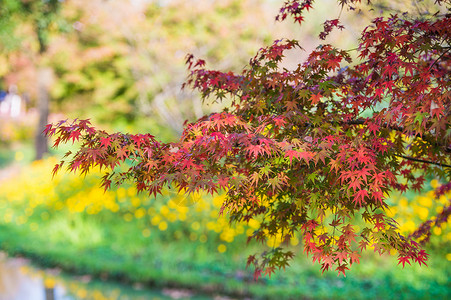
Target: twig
{"x": 423, "y": 161}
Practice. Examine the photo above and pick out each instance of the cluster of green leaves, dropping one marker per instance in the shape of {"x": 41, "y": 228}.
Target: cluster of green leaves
{"x": 294, "y": 149}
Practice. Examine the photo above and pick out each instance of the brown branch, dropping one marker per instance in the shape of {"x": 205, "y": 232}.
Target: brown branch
{"x": 401, "y": 129}
{"x": 423, "y": 161}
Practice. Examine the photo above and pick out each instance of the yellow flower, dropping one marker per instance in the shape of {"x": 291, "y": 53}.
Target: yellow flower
{"x": 403, "y": 202}
{"x": 218, "y": 200}
{"x": 391, "y": 212}
{"x": 141, "y": 212}
{"x": 294, "y": 241}
{"x": 434, "y": 183}
{"x": 240, "y": 229}
{"x": 211, "y": 225}
{"x": 49, "y": 282}
{"x": 163, "y": 226}
{"x": 409, "y": 226}
{"x": 131, "y": 191}
{"x": 121, "y": 193}
{"x": 437, "y": 230}
{"x": 254, "y": 224}
{"x": 164, "y": 210}
{"x": 422, "y": 212}
{"x": 222, "y": 248}
{"x": 155, "y": 220}
{"x": 425, "y": 201}
{"x": 136, "y": 201}
{"x": 82, "y": 293}
{"x": 172, "y": 217}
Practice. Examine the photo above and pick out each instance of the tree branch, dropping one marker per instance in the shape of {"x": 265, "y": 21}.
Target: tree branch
{"x": 401, "y": 129}
{"x": 423, "y": 161}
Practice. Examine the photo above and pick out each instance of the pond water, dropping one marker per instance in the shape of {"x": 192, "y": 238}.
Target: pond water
{"x": 16, "y": 283}
{"x": 21, "y": 281}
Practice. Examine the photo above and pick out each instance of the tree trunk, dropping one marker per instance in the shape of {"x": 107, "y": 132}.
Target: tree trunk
{"x": 45, "y": 79}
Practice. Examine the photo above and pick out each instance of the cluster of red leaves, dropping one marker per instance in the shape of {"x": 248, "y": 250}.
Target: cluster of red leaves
{"x": 298, "y": 145}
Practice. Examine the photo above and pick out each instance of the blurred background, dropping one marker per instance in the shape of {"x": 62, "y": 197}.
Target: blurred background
{"x": 122, "y": 64}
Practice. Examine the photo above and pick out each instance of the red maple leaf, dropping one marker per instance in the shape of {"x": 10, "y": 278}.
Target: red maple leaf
{"x": 354, "y": 257}
{"x": 121, "y": 153}
{"x": 105, "y": 142}
{"x": 340, "y": 256}
{"x": 359, "y": 197}
{"x": 75, "y": 135}
{"x": 403, "y": 260}
{"x": 342, "y": 269}
{"x": 315, "y": 98}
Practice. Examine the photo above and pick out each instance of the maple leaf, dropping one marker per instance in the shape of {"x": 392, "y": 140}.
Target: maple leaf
{"x": 275, "y": 183}
{"x": 333, "y": 63}
{"x": 342, "y": 269}
{"x": 334, "y": 165}
{"x": 270, "y": 270}
{"x": 422, "y": 257}
{"x": 362, "y": 245}
{"x": 340, "y": 256}
{"x": 403, "y": 260}
{"x": 254, "y": 178}
{"x": 315, "y": 98}
{"x": 354, "y": 257}
{"x": 75, "y": 135}
{"x": 359, "y": 197}
{"x": 317, "y": 256}
{"x": 292, "y": 154}
{"x": 327, "y": 263}
{"x": 105, "y": 142}
{"x": 223, "y": 181}
{"x": 363, "y": 173}
{"x": 56, "y": 168}
{"x": 121, "y": 153}
{"x": 254, "y": 150}
{"x": 75, "y": 165}
{"x": 355, "y": 184}
{"x": 291, "y": 105}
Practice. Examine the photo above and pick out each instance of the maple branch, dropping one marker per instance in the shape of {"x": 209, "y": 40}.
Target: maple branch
{"x": 435, "y": 61}
{"x": 423, "y": 161}
{"x": 400, "y": 129}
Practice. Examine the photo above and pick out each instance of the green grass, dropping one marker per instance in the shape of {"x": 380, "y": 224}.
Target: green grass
{"x": 20, "y": 154}
{"x": 108, "y": 248}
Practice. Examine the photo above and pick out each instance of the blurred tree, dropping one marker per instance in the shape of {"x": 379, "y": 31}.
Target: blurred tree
{"x": 25, "y": 32}
{"x": 130, "y": 56}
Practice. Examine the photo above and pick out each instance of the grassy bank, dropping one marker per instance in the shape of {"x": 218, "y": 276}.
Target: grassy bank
{"x": 174, "y": 241}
